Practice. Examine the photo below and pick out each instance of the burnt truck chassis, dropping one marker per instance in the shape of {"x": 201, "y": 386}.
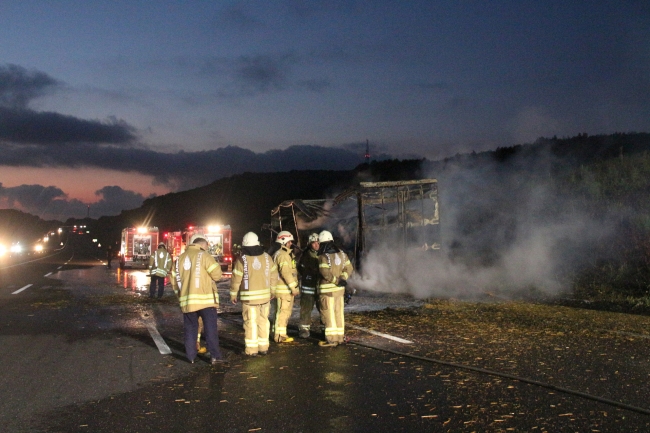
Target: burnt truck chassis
{"x": 404, "y": 214}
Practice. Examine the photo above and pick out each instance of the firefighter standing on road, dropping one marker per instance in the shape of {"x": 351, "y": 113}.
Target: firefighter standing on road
{"x": 309, "y": 276}
{"x": 254, "y": 276}
{"x": 193, "y": 279}
{"x": 335, "y": 268}
{"x": 160, "y": 264}
{"x": 287, "y": 286}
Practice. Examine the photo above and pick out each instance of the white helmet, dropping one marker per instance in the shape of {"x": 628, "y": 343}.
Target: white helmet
{"x": 250, "y": 240}
{"x": 195, "y": 237}
{"x": 313, "y": 237}
{"x": 161, "y": 244}
{"x": 325, "y": 236}
{"x": 284, "y": 237}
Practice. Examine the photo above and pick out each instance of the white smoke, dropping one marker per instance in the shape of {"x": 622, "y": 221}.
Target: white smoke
{"x": 504, "y": 232}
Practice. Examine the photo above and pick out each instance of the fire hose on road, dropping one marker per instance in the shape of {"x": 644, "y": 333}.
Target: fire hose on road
{"x": 512, "y": 377}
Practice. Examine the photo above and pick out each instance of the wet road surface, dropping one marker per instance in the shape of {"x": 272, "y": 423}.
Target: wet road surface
{"x": 80, "y": 355}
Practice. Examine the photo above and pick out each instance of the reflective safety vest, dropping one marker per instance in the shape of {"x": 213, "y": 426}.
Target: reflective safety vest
{"x": 309, "y": 272}
{"x": 288, "y": 274}
{"x": 160, "y": 263}
{"x": 333, "y": 266}
{"x": 254, "y": 279}
{"x": 193, "y": 279}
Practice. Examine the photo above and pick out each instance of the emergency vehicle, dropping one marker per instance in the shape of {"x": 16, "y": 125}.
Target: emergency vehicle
{"x": 219, "y": 243}
{"x": 174, "y": 243}
{"x": 138, "y": 243}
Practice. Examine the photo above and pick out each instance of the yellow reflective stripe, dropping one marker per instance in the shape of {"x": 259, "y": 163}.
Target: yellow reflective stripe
{"x": 323, "y": 265}
{"x": 212, "y": 267}
{"x": 284, "y": 290}
{"x": 195, "y": 299}
{"x": 331, "y": 289}
{"x": 238, "y": 272}
{"x": 246, "y": 297}
{"x": 255, "y": 292}
{"x": 251, "y": 343}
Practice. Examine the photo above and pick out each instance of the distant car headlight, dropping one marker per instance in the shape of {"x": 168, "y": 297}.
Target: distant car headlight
{"x": 16, "y": 248}
{"x": 38, "y": 248}
{"x": 3, "y": 250}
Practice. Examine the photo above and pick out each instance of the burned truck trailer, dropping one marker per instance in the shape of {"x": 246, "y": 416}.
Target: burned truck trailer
{"x": 402, "y": 213}
{"x": 399, "y": 214}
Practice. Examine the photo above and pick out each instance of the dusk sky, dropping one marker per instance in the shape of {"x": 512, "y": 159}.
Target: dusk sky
{"x": 104, "y": 103}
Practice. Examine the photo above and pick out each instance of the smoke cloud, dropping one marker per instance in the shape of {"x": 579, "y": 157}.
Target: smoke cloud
{"x": 505, "y": 231}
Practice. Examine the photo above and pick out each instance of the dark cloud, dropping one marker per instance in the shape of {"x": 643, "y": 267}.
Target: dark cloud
{"x": 182, "y": 170}
{"x": 20, "y": 124}
{"x": 49, "y": 202}
{"x": 115, "y": 199}
{"x": 261, "y": 74}
{"x": 28, "y": 126}
{"x": 18, "y": 86}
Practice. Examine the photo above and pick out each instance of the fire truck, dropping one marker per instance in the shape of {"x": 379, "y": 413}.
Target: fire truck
{"x": 138, "y": 243}
{"x": 174, "y": 243}
{"x": 219, "y": 243}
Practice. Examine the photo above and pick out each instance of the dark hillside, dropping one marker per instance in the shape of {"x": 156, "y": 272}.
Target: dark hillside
{"x": 244, "y": 201}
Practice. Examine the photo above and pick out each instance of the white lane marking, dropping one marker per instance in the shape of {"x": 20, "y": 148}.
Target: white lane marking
{"x": 21, "y": 289}
{"x": 381, "y": 334}
{"x": 59, "y": 267}
{"x": 163, "y": 348}
{"x": 48, "y": 274}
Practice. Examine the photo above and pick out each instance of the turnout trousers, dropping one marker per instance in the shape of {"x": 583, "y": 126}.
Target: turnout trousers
{"x": 256, "y": 327}
{"x": 307, "y": 303}
{"x": 191, "y": 331}
{"x": 284, "y": 304}
{"x": 160, "y": 282}
{"x": 331, "y": 310}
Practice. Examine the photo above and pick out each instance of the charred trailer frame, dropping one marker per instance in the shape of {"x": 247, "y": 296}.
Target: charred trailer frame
{"x": 404, "y": 213}
{"x": 289, "y": 214}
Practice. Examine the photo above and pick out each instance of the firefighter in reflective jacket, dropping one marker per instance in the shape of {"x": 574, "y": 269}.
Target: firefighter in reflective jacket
{"x": 254, "y": 276}
{"x": 287, "y": 286}
{"x": 193, "y": 280}
{"x": 335, "y": 268}
{"x": 160, "y": 264}
{"x": 309, "y": 276}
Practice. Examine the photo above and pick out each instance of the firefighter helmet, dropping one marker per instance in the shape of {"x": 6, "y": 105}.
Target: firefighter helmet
{"x": 325, "y": 236}
{"x": 161, "y": 244}
{"x": 313, "y": 237}
{"x": 195, "y": 237}
{"x": 284, "y": 237}
{"x": 250, "y": 240}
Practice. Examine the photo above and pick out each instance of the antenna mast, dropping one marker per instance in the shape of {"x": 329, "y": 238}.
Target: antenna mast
{"x": 367, "y": 152}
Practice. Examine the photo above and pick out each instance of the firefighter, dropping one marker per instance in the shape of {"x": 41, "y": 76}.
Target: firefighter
{"x": 335, "y": 268}
{"x": 254, "y": 276}
{"x": 287, "y": 286}
{"x": 193, "y": 281}
{"x": 160, "y": 264}
{"x": 309, "y": 276}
